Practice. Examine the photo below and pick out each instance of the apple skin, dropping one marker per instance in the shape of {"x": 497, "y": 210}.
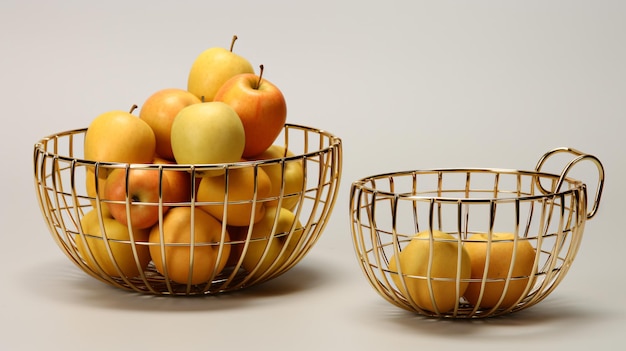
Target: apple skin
{"x": 261, "y": 107}
{"x": 119, "y": 136}
{"x": 241, "y": 186}
{"x": 177, "y": 229}
{"x": 122, "y": 252}
{"x": 260, "y": 239}
{"x": 207, "y": 133}
{"x": 143, "y": 192}
{"x": 500, "y": 256}
{"x": 90, "y": 184}
{"x": 179, "y": 182}
{"x": 212, "y": 68}
{"x": 159, "y": 111}
{"x": 414, "y": 261}
{"x": 293, "y": 176}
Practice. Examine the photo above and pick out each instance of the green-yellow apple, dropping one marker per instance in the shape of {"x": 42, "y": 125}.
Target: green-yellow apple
{"x": 414, "y": 262}
{"x": 261, "y": 107}
{"x": 143, "y": 188}
{"x": 500, "y": 249}
{"x": 212, "y": 68}
{"x": 271, "y": 244}
{"x": 159, "y": 111}
{"x": 119, "y": 136}
{"x": 179, "y": 224}
{"x": 118, "y": 235}
{"x": 207, "y": 133}
{"x": 292, "y": 175}
{"x": 241, "y": 187}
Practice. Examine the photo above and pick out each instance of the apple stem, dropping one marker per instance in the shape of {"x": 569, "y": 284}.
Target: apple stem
{"x": 258, "y": 84}
{"x": 133, "y": 108}
{"x": 232, "y": 43}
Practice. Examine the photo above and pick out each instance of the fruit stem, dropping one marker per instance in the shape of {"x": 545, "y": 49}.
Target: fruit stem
{"x": 258, "y": 84}
{"x": 232, "y": 43}
{"x": 133, "y": 108}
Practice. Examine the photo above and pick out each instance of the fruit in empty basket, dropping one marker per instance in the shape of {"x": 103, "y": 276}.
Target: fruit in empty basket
{"x": 493, "y": 257}
{"x": 432, "y": 261}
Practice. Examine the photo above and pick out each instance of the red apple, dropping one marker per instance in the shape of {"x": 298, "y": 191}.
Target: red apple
{"x": 261, "y": 107}
{"x": 142, "y": 190}
{"x": 179, "y": 182}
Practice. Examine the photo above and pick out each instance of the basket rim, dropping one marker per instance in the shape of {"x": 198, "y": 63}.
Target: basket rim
{"x": 334, "y": 142}
{"x": 364, "y": 185}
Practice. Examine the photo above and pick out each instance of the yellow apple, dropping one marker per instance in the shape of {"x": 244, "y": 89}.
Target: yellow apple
{"x": 269, "y": 244}
{"x": 207, "y": 133}
{"x": 240, "y": 187}
{"x": 177, "y": 240}
{"x": 142, "y": 186}
{"x": 159, "y": 111}
{"x": 261, "y": 107}
{"x": 500, "y": 250}
{"x": 118, "y": 236}
{"x": 212, "y": 68}
{"x": 292, "y": 176}
{"x": 119, "y": 136}
{"x": 414, "y": 262}
{"x": 91, "y": 186}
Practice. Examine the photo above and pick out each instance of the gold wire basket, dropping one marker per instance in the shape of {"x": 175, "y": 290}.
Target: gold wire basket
{"x": 63, "y": 180}
{"x": 458, "y": 265}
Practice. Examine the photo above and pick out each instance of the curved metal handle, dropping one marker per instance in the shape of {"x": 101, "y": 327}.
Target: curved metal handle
{"x": 580, "y": 156}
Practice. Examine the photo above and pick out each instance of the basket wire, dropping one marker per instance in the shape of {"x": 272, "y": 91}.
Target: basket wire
{"x": 60, "y": 173}
{"x": 549, "y": 211}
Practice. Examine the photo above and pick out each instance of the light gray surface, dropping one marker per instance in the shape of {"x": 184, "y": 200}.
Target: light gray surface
{"x": 404, "y": 84}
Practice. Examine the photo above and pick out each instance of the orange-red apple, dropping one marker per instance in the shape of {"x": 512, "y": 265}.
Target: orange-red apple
{"x": 159, "y": 111}
{"x": 261, "y": 107}
{"x": 143, "y": 187}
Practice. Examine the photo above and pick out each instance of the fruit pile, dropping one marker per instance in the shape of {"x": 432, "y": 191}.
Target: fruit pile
{"x": 476, "y": 257}
{"x": 227, "y": 115}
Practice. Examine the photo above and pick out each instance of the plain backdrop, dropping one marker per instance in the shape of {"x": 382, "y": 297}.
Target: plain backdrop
{"x": 404, "y": 84}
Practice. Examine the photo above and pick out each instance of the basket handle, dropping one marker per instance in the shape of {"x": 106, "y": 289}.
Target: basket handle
{"x": 580, "y": 156}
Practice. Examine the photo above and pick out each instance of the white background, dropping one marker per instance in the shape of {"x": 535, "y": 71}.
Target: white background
{"x": 413, "y": 84}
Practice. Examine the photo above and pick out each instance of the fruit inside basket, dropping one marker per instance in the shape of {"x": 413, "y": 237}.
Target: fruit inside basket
{"x": 472, "y": 242}
{"x": 226, "y": 227}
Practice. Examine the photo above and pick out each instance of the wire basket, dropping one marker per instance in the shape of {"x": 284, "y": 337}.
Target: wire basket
{"x": 196, "y": 254}
{"x": 432, "y": 242}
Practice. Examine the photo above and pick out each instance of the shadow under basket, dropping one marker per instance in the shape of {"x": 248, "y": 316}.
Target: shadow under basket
{"x": 429, "y": 241}
{"x": 196, "y": 254}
